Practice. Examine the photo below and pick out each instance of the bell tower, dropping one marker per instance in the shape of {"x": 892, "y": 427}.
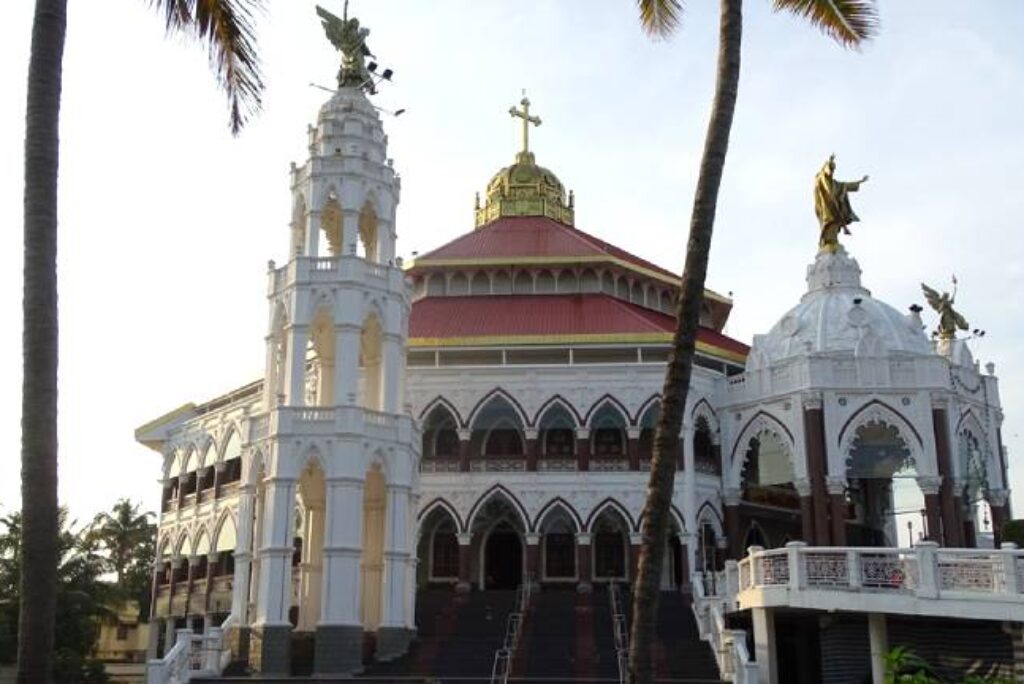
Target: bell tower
{"x": 335, "y": 456}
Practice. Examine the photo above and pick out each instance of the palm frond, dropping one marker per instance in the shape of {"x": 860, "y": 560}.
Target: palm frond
{"x": 226, "y": 27}
{"x": 660, "y": 17}
{"x": 848, "y": 22}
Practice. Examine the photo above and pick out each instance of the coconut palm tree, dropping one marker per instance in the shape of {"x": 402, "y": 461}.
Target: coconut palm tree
{"x": 849, "y": 22}
{"x": 225, "y": 27}
{"x": 121, "y": 532}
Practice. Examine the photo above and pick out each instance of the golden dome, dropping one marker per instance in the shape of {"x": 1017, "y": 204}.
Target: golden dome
{"x": 524, "y": 188}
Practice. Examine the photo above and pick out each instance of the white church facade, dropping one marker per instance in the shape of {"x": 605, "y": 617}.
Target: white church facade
{"x": 483, "y": 418}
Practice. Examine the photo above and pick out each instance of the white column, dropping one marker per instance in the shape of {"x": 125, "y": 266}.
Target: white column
{"x": 397, "y": 553}
{"x": 243, "y": 554}
{"x": 275, "y": 586}
{"x": 346, "y": 364}
{"x": 295, "y": 381}
{"x": 764, "y": 645}
{"x": 879, "y": 641}
{"x": 392, "y": 367}
{"x": 312, "y": 567}
{"x": 342, "y": 552}
{"x": 312, "y": 233}
{"x": 689, "y": 535}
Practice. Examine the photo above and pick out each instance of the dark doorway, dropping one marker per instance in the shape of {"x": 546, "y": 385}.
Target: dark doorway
{"x": 503, "y": 558}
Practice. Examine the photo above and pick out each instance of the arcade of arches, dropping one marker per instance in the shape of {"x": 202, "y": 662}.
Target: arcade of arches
{"x": 500, "y": 552}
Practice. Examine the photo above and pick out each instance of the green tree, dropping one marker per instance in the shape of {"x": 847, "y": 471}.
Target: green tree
{"x": 225, "y": 27}
{"x": 850, "y": 22}
{"x": 127, "y": 538}
{"x": 81, "y": 598}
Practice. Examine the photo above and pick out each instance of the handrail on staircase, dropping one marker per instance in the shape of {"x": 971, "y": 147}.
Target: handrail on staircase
{"x": 502, "y": 667}
{"x": 619, "y": 631}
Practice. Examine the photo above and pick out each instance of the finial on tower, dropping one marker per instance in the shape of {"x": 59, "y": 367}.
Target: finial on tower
{"x": 832, "y": 205}
{"x": 350, "y": 39}
{"x": 525, "y": 156}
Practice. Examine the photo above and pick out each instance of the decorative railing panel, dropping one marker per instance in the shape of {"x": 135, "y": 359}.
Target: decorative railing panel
{"x": 826, "y": 569}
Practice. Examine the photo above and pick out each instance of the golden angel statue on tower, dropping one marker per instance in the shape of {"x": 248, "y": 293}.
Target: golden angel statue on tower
{"x": 350, "y": 39}
{"x": 832, "y": 204}
{"x": 950, "y": 320}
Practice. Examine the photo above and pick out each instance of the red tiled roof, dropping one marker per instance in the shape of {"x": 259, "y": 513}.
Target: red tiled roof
{"x": 519, "y": 237}
{"x": 546, "y": 319}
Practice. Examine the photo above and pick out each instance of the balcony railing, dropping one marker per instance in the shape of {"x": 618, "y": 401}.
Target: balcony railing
{"x": 983, "y": 583}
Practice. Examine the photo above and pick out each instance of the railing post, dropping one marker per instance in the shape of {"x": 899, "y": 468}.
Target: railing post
{"x": 796, "y": 570}
{"x": 732, "y": 580}
{"x": 927, "y": 569}
{"x": 853, "y": 574}
{"x": 1008, "y": 559}
{"x": 214, "y": 643}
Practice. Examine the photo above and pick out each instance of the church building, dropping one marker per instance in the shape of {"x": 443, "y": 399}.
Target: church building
{"x": 482, "y": 419}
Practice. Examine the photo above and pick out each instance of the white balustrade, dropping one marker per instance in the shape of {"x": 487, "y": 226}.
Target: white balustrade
{"x": 729, "y": 645}
{"x": 192, "y": 655}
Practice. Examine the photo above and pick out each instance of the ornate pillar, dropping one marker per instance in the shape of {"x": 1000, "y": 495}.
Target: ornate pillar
{"x": 397, "y": 625}
{"x": 393, "y": 372}
{"x": 271, "y": 647}
{"x": 346, "y": 364}
{"x": 837, "y": 504}
{"x": 339, "y": 634}
{"x": 633, "y": 447}
{"x": 930, "y": 485}
{"x": 533, "y": 557}
{"x": 583, "y": 562}
{"x": 464, "y": 435}
{"x": 583, "y": 449}
{"x": 465, "y": 566}
{"x": 803, "y": 489}
{"x": 731, "y": 497}
{"x": 298, "y": 336}
{"x": 940, "y": 426}
{"x": 243, "y": 554}
{"x": 532, "y": 449}
{"x": 814, "y": 442}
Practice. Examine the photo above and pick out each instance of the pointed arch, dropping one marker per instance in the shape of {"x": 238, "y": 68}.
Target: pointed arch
{"x": 760, "y": 423}
{"x": 610, "y": 401}
{"x": 439, "y": 430}
{"x": 703, "y": 408}
{"x": 368, "y": 234}
{"x": 652, "y": 403}
{"x": 877, "y": 411}
{"x": 552, "y": 403}
{"x": 440, "y": 401}
{"x": 498, "y": 393}
{"x": 202, "y": 546}
{"x": 332, "y": 223}
{"x": 551, "y": 508}
{"x": 183, "y": 541}
{"x": 231, "y": 445}
{"x": 441, "y": 504}
{"x": 225, "y": 535}
{"x": 707, "y": 513}
{"x": 499, "y": 492}
{"x": 675, "y": 519}
{"x": 610, "y": 504}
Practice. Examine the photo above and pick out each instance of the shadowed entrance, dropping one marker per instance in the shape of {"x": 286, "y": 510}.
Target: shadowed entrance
{"x": 503, "y": 558}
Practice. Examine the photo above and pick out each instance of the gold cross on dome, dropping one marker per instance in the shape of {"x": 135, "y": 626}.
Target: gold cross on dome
{"x": 524, "y": 114}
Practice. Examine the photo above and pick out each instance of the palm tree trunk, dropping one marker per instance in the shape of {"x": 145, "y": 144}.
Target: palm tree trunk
{"x": 39, "y": 340}
{"x": 680, "y": 364}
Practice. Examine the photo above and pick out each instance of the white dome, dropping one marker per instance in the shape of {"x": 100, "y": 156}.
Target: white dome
{"x": 837, "y": 314}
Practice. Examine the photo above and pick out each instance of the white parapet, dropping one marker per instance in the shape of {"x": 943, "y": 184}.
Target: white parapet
{"x": 979, "y": 584}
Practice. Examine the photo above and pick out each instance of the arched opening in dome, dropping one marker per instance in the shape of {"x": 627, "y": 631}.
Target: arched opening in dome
{"x": 544, "y": 283}
{"x": 567, "y": 282}
{"x": 480, "y": 284}
{"x": 298, "y": 227}
{"x": 589, "y": 282}
{"x": 767, "y": 477}
{"x": 882, "y": 490}
{"x": 319, "y": 384}
{"x": 523, "y": 283}
{"x": 458, "y": 284}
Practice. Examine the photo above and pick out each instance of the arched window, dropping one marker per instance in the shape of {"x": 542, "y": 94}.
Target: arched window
{"x": 608, "y": 433}
{"x": 768, "y": 472}
{"x": 883, "y": 492}
{"x": 705, "y": 453}
{"x": 497, "y": 430}
{"x": 557, "y": 433}
{"x": 610, "y": 535}
{"x": 444, "y": 552}
{"x": 440, "y": 435}
{"x": 559, "y": 548}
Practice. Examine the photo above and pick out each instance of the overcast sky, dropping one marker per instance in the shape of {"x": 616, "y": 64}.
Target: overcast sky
{"x": 167, "y": 222}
